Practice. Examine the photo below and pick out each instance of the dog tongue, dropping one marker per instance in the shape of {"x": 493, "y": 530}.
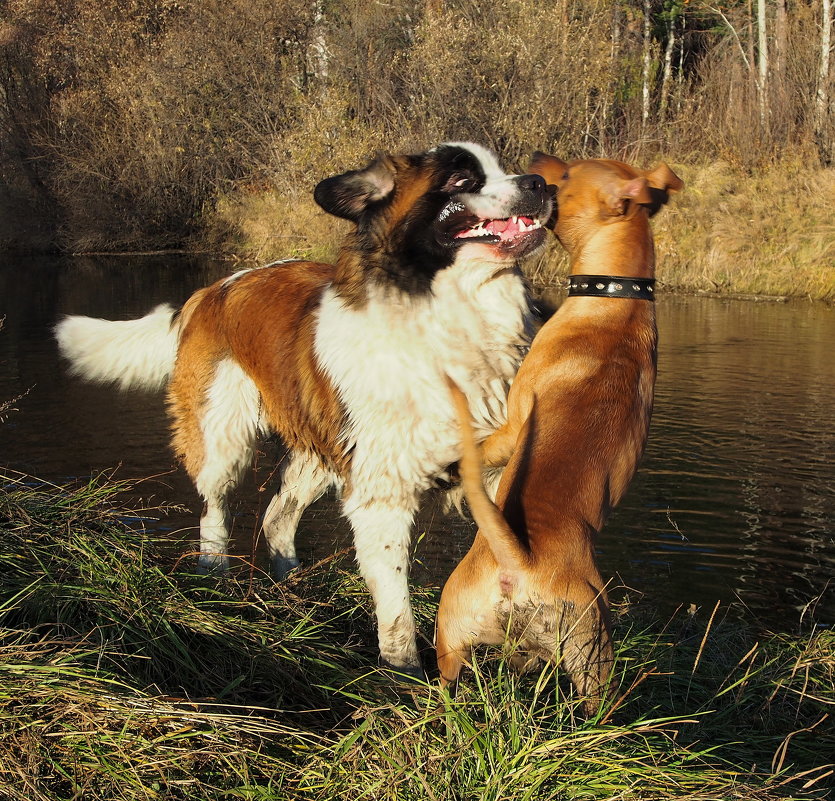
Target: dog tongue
{"x": 498, "y": 226}
{"x": 505, "y": 229}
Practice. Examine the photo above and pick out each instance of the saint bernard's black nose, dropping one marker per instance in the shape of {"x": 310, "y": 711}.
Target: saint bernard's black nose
{"x": 531, "y": 183}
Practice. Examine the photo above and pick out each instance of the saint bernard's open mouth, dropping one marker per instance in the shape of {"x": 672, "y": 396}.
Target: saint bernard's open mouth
{"x": 513, "y": 236}
{"x": 500, "y": 230}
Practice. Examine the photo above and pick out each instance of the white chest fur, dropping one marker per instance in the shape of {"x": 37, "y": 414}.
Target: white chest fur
{"x": 389, "y": 361}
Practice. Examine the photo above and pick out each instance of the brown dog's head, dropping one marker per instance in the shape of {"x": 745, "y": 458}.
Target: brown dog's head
{"x": 594, "y": 192}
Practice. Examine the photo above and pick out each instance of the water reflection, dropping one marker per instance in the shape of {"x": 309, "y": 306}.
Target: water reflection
{"x": 735, "y": 497}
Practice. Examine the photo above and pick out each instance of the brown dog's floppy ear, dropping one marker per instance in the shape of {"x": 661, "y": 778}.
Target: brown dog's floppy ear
{"x": 662, "y": 177}
{"x": 634, "y": 189}
{"x": 662, "y": 181}
{"x": 349, "y": 195}
{"x": 638, "y": 190}
{"x": 550, "y": 168}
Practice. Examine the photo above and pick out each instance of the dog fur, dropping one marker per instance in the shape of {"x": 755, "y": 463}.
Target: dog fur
{"x": 578, "y": 414}
{"x": 346, "y": 361}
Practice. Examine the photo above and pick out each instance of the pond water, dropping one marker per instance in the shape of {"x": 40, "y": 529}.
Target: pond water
{"x": 734, "y": 501}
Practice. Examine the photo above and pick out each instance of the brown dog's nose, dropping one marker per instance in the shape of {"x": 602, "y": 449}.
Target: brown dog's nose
{"x": 532, "y": 183}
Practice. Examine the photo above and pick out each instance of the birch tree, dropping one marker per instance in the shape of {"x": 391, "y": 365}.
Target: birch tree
{"x": 671, "y": 16}
{"x": 318, "y": 55}
{"x": 762, "y": 63}
{"x": 646, "y": 63}
{"x": 781, "y": 39}
{"x": 822, "y": 94}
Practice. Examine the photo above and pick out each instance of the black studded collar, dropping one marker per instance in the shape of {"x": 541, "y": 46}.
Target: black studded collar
{"x": 611, "y": 286}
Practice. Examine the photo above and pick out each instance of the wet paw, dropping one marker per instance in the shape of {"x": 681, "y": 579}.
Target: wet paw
{"x": 281, "y": 567}
{"x": 405, "y": 674}
{"x": 212, "y": 564}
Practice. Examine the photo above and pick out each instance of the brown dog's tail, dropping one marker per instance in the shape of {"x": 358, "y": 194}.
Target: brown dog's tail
{"x": 509, "y": 552}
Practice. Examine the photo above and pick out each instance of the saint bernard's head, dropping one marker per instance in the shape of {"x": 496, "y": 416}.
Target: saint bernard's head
{"x": 418, "y": 214}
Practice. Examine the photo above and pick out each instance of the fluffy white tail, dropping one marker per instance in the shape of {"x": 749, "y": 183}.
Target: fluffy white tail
{"x": 133, "y": 354}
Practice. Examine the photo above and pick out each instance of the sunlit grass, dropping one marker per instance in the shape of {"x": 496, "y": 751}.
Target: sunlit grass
{"x": 770, "y": 232}
{"x": 123, "y": 676}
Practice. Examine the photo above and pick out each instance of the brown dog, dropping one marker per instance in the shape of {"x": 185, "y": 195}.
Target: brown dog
{"x": 578, "y": 414}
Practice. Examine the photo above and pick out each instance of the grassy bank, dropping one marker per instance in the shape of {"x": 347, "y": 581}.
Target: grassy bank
{"x": 122, "y": 676}
{"x": 731, "y": 231}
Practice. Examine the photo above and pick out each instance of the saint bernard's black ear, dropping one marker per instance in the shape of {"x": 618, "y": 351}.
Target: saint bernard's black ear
{"x": 349, "y": 195}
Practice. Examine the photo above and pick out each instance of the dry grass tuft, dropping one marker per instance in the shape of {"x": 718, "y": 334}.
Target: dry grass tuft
{"x": 275, "y": 224}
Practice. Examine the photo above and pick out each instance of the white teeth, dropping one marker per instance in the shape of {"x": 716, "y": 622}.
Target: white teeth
{"x": 479, "y": 230}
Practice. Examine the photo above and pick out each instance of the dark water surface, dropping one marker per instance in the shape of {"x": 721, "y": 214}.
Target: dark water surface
{"x": 735, "y": 499}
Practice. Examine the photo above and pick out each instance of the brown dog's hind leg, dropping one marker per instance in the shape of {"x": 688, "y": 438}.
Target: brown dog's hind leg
{"x": 587, "y": 654}
{"x": 451, "y": 651}
{"x": 450, "y": 664}
{"x": 451, "y": 658}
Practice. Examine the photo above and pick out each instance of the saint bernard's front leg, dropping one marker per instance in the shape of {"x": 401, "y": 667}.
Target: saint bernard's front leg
{"x": 382, "y": 535}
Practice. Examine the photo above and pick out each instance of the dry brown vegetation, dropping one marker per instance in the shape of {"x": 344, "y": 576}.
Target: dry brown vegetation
{"x": 161, "y": 123}
{"x": 768, "y": 233}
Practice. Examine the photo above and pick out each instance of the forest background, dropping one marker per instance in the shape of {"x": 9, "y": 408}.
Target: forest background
{"x": 205, "y": 124}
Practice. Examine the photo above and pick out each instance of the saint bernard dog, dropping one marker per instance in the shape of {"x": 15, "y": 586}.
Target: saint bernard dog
{"x": 347, "y": 363}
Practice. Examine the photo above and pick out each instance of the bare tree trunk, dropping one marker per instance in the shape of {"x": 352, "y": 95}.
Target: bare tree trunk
{"x": 680, "y": 76}
{"x": 782, "y": 118}
{"x": 318, "y": 55}
{"x": 762, "y": 71}
{"x": 611, "y": 108}
{"x": 602, "y": 135}
{"x": 587, "y": 131}
{"x": 781, "y": 38}
{"x": 666, "y": 78}
{"x": 647, "y": 63}
{"x": 822, "y": 94}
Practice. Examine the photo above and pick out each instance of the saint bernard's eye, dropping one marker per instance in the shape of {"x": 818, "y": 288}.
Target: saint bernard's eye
{"x": 460, "y": 183}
